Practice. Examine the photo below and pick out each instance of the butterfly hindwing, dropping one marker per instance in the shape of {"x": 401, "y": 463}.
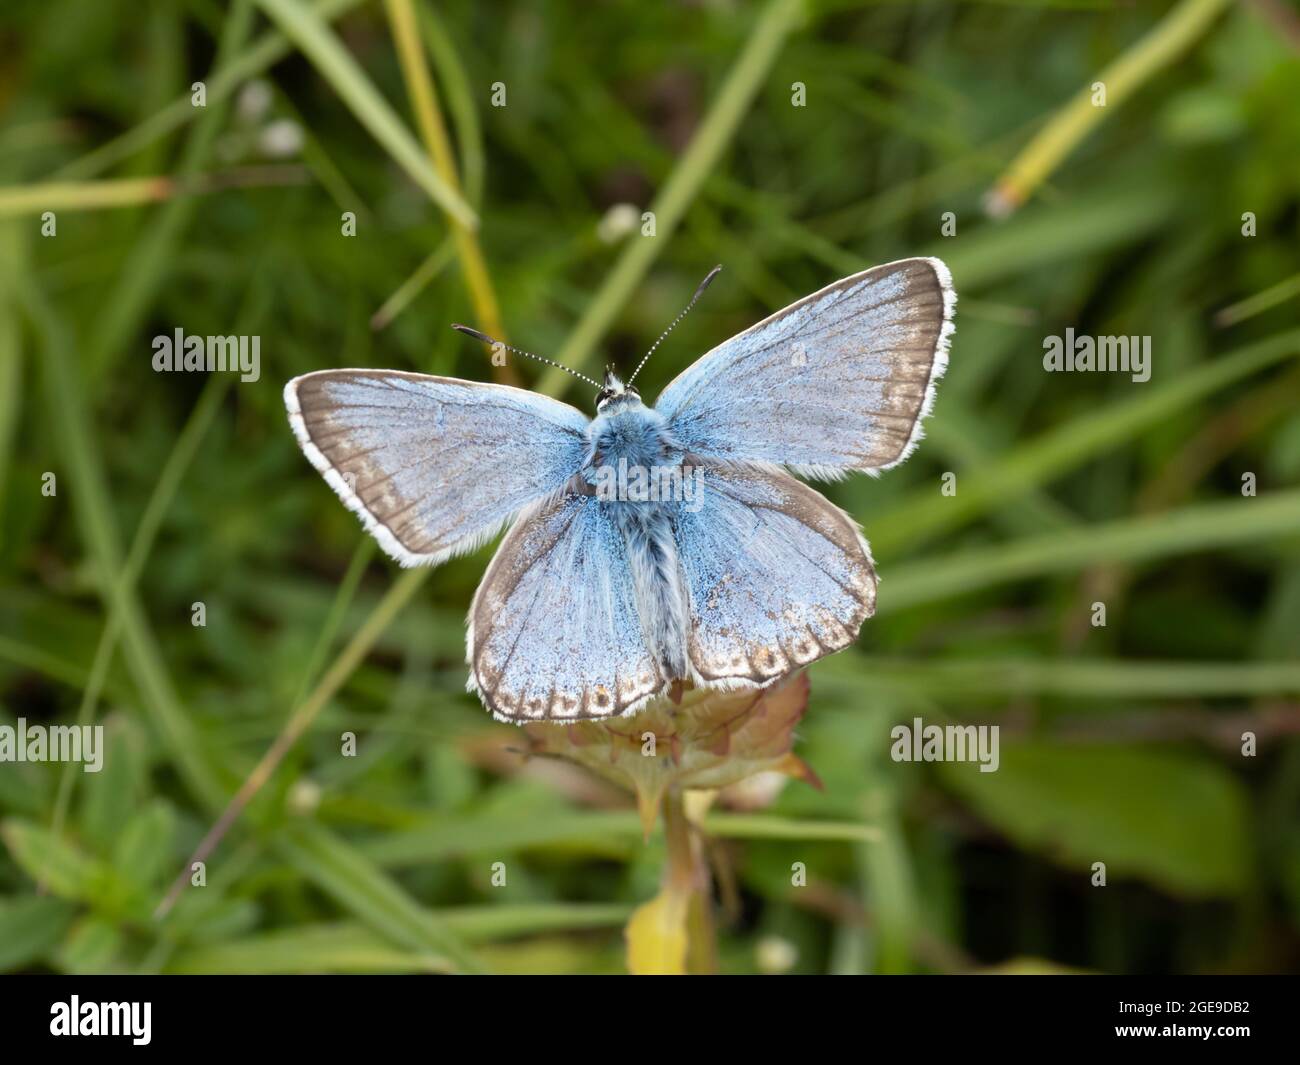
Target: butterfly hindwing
{"x": 838, "y": 381}
{"x": 434, "y": 466}
{"x": 777, "y": 575}
{"x": 554, "y": 632}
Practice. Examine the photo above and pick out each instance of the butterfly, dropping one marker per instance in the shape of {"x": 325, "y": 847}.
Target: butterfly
{"x": 648, "y": 545}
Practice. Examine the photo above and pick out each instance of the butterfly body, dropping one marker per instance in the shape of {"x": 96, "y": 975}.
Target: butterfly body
{"x": 648, "y": 544}
{"x": 628, "y": 436}
{"x": 627, "y": 430}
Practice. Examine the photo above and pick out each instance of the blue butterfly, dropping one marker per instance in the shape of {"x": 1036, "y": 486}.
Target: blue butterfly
{"x": 717, "y": 567}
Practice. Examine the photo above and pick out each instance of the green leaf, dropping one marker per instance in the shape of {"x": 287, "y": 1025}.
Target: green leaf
{"x": 361, "y": 887}
{"x": 200, "y": 918}
{"x": 57, "y": 864}
{"x": 109, "y": 796}
{"x": 144, "y": 851}
{"x": 1176, "y": 820}
{"x": 23, "y": 788}
{"x": 91, "y": 948}
{"x": 31, "y": 926}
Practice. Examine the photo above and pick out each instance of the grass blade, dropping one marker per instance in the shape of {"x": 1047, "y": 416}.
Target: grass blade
{"x": 1205, "y": 527}
{"x": 743, "y": 82}
{"x": 94, "y": 515}
{"x": 424, "y": 100}
{"x": 304, "y": 26}
{"x": 1178, "y": 32}
{"x": 351, "y": 878}
{"x": 928, "y": 513}
{"x": 227, "y": 76}
{"x": 607, "y": 832}
{"x": 1103, "y": 678}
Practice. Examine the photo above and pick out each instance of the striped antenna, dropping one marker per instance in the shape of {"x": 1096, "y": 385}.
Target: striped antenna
{"x": 520, "y": 351}
{"x": 698, "y": 293}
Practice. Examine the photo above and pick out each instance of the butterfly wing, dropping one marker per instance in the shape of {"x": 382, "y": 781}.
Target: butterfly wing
{"x": 839, "y": 381}
{"x": 777, "y": 576}
{"x": 554, "y": 632}
{"x": 434, "y": 466}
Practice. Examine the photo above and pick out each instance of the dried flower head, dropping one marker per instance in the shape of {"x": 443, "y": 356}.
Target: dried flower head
{"x": 701, "y": 739}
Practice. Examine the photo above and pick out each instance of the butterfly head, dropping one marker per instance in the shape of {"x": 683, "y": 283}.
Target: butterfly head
{"x": 613, "y": 393}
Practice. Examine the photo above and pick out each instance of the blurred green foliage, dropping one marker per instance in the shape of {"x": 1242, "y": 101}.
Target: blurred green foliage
{"x": 1120, "y": 744}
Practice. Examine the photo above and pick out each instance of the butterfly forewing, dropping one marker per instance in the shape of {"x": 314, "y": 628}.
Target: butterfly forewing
{"x": 836, "y": 382}
{"x": 433, "y": 466}
{"x": 777, "y": 575}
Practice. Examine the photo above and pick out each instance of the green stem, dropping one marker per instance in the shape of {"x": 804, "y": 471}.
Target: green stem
{"x": 687, "y": 874}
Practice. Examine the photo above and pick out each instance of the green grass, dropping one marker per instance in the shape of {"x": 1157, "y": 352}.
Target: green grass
{"x": 1121, "y": 743}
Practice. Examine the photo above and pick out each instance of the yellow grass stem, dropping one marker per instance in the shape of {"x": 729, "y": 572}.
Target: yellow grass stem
{"x": 1179, "y": 30}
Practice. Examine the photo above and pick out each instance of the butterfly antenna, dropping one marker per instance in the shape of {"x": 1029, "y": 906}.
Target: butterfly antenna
{"x": 520, "y": 351}
{"x": 698, "y": 293}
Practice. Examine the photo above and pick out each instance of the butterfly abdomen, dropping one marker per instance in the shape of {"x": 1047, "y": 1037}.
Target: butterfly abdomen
{"x": 656, "y": 572}
{"x": 631, "y": 461}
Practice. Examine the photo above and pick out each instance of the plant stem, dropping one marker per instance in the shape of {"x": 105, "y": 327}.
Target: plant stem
{"x": 424, "y": 101}
{"x": 304, "y": 26}
{"x": 1063, "y": 132}
{"x": 687, "y": 875}
{"x": 696, "y": 164}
